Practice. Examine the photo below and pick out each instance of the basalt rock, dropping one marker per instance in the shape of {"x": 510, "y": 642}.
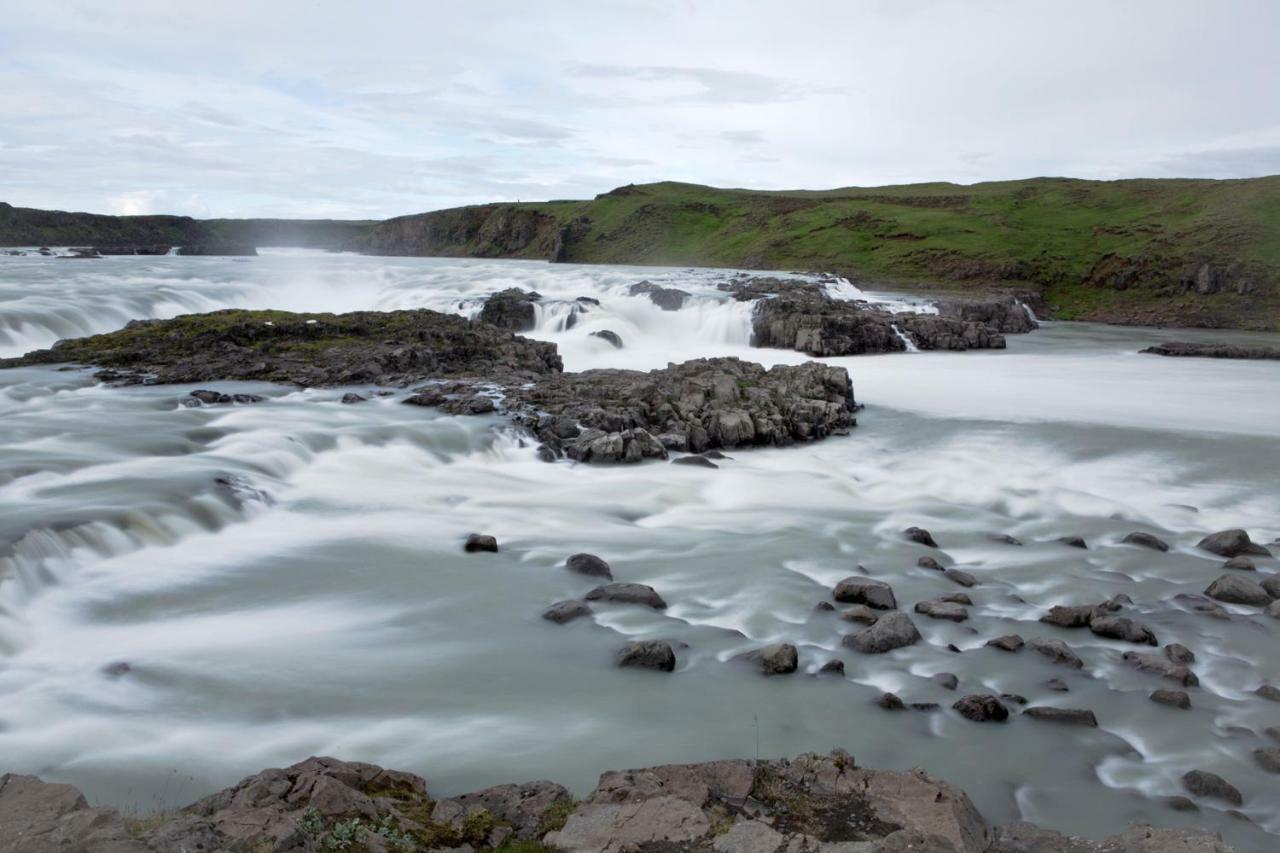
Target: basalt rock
{"x": 1123, "y": 628}
{"x": 628, "y": 593}
{"x": 1232, "y": 543}
{"x": 1068, "y": 716}
{"x": 1173, "y": 698}
{"x": 1201, "y": 783}
{"x": 1146, "y": 540}
{"x": 666, "y": 298}
{"x": 943, "y": 610}
{"x": 647, "y": 654}
{"x": 1238, "y": 589}
{"x": 1158, "y": 664}
{"x": 590, "y": 565}
{"x": 776, "y": 659}
{"x": 982, "y": 708}
{"x": 1007, "y": 643}
{"x": 566, "y": 611}
{"x": 478, "y": 542}
{"x": 512, "y": 309}
{"x": 1057, "y": 651}
{"x": 891, "y": 631}
{"x": 919, "y": 535}
{"x": 1212, "y": 350}
{"x": 867, "y": 591}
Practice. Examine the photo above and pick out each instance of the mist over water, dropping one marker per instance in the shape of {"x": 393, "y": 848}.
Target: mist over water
{"x": 286, "y": 578}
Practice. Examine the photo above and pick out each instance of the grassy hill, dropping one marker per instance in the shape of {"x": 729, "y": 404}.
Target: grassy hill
{"x": 1175, "y": 252}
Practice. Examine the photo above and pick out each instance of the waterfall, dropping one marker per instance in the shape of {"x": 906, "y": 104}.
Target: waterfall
{"x": 906, "y": 341}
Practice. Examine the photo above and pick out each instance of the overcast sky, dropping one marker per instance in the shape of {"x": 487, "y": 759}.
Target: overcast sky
{"x": 373, "y": 109}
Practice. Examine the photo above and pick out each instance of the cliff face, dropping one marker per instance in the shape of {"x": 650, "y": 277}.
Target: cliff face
{"x": 484, "y": 231}
{"x": 1149, "y": 252}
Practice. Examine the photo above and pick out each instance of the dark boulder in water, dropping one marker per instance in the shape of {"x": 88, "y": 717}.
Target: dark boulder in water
{"x": 1238, "y": 589}
{"x": 982, "y": 708}
{"x": 942, "y": 610}
{"x": 961, "y": 577}
{"x": 205, "y": 397}
{"x": 590, "y": 565}
{"x": 868, "y": 591}
{"x": 1158, "y": 664}
{"x": 612, "y": 337}
{"x": 696, "y": 460}
{"x": 239, "y": 250}
{"x": 1201, "y": 783}
{"x": 1007, "y": 643}
{"x": 1212, "y": 350}
{"x": 775, "y": 659}
{"x": 666, "y": 298}
{"x": 1122, "y": 628}
{"x": 479, "y": 542}
{"x": 891, "y": 702}
{"x": 1173, "y": 698}
{"x": 1073, "y": 541}
{"x": 1068, "y": 716}
{"x": 1146, "y": 540}
{"x": 1232, "y": 543}
{"x": 351, "y": 398}
{"x": 512, "y": 309}
{"x": 891, "y": 631}
{"x": 920, "y": 535}
{"x": 566, "y": 611}
{"x": 1057, "y": 651}
{"x": 628, "y": 593}
{"x": 647, "y": 654}
{"x": 945, "y": 680}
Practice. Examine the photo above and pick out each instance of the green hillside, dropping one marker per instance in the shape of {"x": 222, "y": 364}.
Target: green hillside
{"x": 1177, "y": 252}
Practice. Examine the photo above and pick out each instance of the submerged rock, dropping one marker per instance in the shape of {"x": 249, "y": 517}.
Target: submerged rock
{"x": 1057, "y": 651}
{"x": 1007, "y": 643}
{"x": 891, "y": 631}
{"x": 1069, "y": 716}
{"x": 982, "y": 708}
{"x": 1232, "y": 543}
{"x": 1212, "y": 350}
{"x": 628, "y": 593}
{"x": 611, "y": 337}
{"x": 866, "y": 591}
{"x": 1173, "y": 698}
{"x": 943, "y": 610}
{"x": 589, "y": 565}
{"x": 647, "y": 654}
{"x": 945, "y": 680}
{"x": 920, "y": 535}
{"x": 1201, "y": 783}
{"x": 776, "y": 659}
{"x": 477, "y": 542}
{"x": 566, "y": 611}
{"x": 1146, "y": 540}
{"x": 1073, "y": 541}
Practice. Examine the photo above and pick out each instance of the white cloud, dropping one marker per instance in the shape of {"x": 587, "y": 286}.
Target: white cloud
{"x": 313, "y": 108}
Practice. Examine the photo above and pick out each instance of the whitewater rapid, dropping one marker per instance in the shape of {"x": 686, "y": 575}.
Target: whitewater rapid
{"x": 286, "y": 578}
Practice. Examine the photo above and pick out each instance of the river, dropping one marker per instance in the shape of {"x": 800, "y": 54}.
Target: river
{"x": 286, "y": 578}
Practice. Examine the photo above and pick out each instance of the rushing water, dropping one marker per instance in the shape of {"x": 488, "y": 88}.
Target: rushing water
{"x": 286, "y": 578}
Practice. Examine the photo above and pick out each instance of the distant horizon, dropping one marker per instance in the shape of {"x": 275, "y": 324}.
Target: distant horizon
{"x": 340, "y": 218}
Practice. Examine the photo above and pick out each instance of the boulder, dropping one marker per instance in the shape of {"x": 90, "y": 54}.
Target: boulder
{"x": 627, "y": 593}
{"x": 1122, "y": 628}
{"x": 860, "y": 613}
{"x": 1004, "y": 538}
{"x": 351, "y": 398}
{"x": 1173, "y": 698}
{"x": 1238, "y": 589}
{"x": 39, "y": 817}
{"x": 891, "y": 631}
{"x": 1232, "y": 543}
{"x": 566, "y": 611}
{"x": 834, "y": 666}
{"x": 1273, "y": 610}
{"x": 1146, "y": 540}
{"x": 891, "y": 702}
{"x": 589, "y": 565}
{"x": 1179, "y": 653}
{"x": 945, "y": 680}
{"x": 647, "y": 654}
{"x": 696, "y": 460}
{"x": 957, "y": 598}
{"x": 1268, "y": 758}
{"x": 920, "y": 535}
{"x": 1007, "y": 643}
{"x": 866, "y": 591}
{"x": 1057, "y": 652}
{"x": 478, "y": 542}
{"x": 1201, "y": 783}
{"x": 775, "y": 659}
{"x": 611, "y": 337}
{"x": 666, "y": 298}
{"x": 1240, "y": 564}
{"x": 982, "y": 708}
{"x": 1069, "y": 716}
{"x": 1070, "y": 615}
{"x": 961, "y": 577}
{"x": 1271, "y": 584}
{"x": 1157, "y": 664}
{"x": 1073, "y": 541}
{"x": 1269, "y": 692}
{"x": 1057, "y": 685}
{"x": 943, "y": 610}
{"x": 931, "y": 564}
{"x": 512, "y": 309}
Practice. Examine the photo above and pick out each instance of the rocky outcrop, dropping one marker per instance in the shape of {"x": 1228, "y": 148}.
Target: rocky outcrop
{"x": 512, "y": 309}
{"x": 481, "y": 231}
{"x": 385, "y": 348}
{"x": 1009, "y": 314}
{"x": 807, "y": 804}
{"x": 234, "y": 250}
{"x": 666, "y": 298}
{"x": 1182, "y": 349}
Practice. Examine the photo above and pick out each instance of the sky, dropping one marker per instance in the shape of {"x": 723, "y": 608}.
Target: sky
{"x": 378, "y": 108}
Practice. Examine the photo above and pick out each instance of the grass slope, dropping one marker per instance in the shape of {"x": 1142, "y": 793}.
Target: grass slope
{"x": 1119, "y": 251}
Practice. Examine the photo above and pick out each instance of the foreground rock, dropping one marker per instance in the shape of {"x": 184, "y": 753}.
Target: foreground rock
{"x": 1212, "y": 350}
{"x": 805, "y": 804}
{"x": 1232, "y": 543}
{"x": 512, "y": 309}
{"x": 891, "y": 631}
{"x": 647, "y": 654}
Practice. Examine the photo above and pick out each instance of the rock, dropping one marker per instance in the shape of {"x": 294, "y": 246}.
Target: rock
{"x": 1232, "y": 543}
{"x": 1238, "y": 589}
{"x": 205, "y": 397}
{"x": 1162, "y": 666}
{"x": 1057, "y": 651}
{"x": 945, "y": 680}
{"x": 1122, "y": 628}
{"x": 1179, "y": 653}
{"x": 221, "y": 248}
{"x": 832, "y": 667}
{"x": 351, "y": 397}
{"x": 1268, "y": 758}
{"x": 891, "y": 631}
{"x": 749, "y": 836}
{"x": 512, "y": 309}
{"x": 1271, "y": 583}
{"x": 1073, "y": 541}
{"x": 1069, "y": 716}
{"x": 647, "y": 654}
{"x": 627, "y": 593}
{"x": 963, "y": 578}
{"x": 39, "y": 817}
{"x": 612, "y": 337}
{"x": 589, "y": 565}
{"x": 1212, "y": 350}
{"x": 1181, "y": 804}
{"x": 477, "y": 542}
{"x": 891, "y": 702}
{"x": 1200, "y": 604}
{"x": 666, "y": 298}
{"x": 1240, "y": 564}
{"x": 1007, "y": 643}
{"x": 1004, "y": 538}
{"x": 1070, "y": 615}
{"x": 920, "y": 535}
{"x": 957, "y": 598}
{"x": 943, "y": 610}
{"x": 867, "y": 591}
{"x": 824, "y": 607}
{"x": 1173, "y": 698}
{"x": 522, "y": 811}
{"x": 775, "y": 659}
{"x": 1138, "y": 838}
{"x": 1015, "y": 698}
{"x": 982, "y": 708}
{"x": 1269, "y": 692}
{"x": 695, "y": 460}
{"x": 566, "y": 611}
{"x": 1146, "y": 540}
{"x": 1057, "y": 685}
{"x": 1272, "y": 732}
{"x": 860, "y": 613}
{"x": 1273, "y": 610}
{"x": 118, "y": 669}
{"x": 1201, "y": 783}
{"x": 930, "y": 563}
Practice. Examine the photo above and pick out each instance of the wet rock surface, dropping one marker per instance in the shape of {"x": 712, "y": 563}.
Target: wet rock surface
{"x": 1212, "y": 350}
{"x": 512, "y": 309}
{"x": 891, "y": 631}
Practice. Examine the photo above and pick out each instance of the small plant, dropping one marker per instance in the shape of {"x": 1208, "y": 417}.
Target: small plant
{"x": 344, "y": 836}
{"x": 388, "y": 828}
{"x": 554, "y": 819}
